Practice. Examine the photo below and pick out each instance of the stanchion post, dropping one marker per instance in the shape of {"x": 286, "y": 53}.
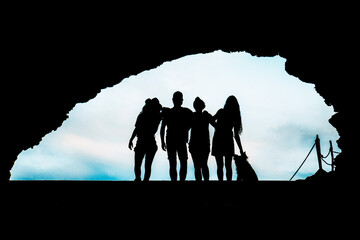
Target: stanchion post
{"x": 332, "y": 157}
{"x": 318, "y": 151}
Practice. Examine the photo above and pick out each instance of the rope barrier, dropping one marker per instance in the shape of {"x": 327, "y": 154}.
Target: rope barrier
{"x": 326, "y": 154}
{"x": 325, "y": 162}
{"x": 302, "y": 162}
{"x": 320, "y": 156}
{"x": 323, "y": 158}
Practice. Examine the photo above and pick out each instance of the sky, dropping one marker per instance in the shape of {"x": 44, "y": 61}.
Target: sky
{"x": 281, "y": 117}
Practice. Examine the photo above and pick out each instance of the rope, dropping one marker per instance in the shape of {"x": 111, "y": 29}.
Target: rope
{"x": 302, "y": 162}
{"x": 326, "y": 154}
{"x": 323, "y": 158}
{"x": 325, "y": 162}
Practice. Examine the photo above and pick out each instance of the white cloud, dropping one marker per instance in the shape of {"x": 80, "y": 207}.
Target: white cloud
{"x": 281, "y": 115}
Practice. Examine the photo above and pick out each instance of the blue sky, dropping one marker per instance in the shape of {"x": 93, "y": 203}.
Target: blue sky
{"x": 281, "y": 117}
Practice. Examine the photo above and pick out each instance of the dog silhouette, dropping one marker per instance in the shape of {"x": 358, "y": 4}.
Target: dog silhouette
{"x": 244, "y": 170}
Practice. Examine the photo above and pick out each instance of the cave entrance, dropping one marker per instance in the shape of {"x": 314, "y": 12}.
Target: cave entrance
{"x": 281, "y": 117}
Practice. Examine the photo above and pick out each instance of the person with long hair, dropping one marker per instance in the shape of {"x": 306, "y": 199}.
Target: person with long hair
{"x": 228, "y": 126}
{"x": 146, "y": 126}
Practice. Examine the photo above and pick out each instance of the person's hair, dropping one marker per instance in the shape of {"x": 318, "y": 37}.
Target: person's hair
{"x": 198, "y": 104}
{"x": 177, "y": 98}
{"x": 146, "y": 107}
{"x": 152, "y": 105}
{"x": 156, "y": 104}
{"x": 233, "y": 108}
{"x": 177, "y": 95}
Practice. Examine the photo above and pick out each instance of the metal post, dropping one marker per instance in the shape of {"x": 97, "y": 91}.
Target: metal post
{"x": 318, "y": 151}
{"x": 332, "y": 157}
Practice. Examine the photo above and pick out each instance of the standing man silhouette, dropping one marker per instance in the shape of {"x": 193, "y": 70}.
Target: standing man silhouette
{"x": 178, "y": 121}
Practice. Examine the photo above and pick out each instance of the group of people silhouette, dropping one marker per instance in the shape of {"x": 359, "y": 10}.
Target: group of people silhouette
{"x": 178, "y": 121}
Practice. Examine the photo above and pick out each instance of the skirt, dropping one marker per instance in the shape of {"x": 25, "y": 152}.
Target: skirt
{"x": 223, "y": 144}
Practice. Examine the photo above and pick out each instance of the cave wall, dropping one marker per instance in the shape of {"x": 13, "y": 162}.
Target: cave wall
{"x": 54, "y": 62}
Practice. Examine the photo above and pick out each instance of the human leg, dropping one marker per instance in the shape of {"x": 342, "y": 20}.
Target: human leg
{"x": 139, "y": 155}
{"x": 197, "y": 166}
{"x": 203, "y": 165}
{"x": 183, "y": 169}
{"x": 220, "y": 166}
{"x": 172, "y": 170}
{"x": 171, "y": 151}
{"x": 228, "y": 166}
{"x": 183, "y": 156}
{"x": 148, "y": 162}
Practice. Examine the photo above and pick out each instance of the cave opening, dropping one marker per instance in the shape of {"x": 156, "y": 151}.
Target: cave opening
{"x": 281, "y": 117}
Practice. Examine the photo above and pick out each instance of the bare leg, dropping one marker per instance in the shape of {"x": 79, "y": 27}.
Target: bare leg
{"x": 183, "y": 168}
{"x": 220, "y": 166}
{"x": 139, "y": 155}
{"x": 204, "y": 166}
{"x": 197, "y": 165}
{"x": 228, "y": 162}
{"x": 148, "y": 162}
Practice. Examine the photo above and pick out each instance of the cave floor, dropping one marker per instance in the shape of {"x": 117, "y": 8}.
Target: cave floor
{"x": 163, "y": 204}
{"x": 115, "y": 197}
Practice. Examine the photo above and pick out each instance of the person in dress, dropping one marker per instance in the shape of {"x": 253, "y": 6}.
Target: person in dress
{"x": 227, "y": 128}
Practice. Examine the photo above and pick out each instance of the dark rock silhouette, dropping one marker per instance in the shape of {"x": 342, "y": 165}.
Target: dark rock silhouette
{"x": 320, "y": 175}
{"x": 53, "y": 62}
{"x": 57, "y": 56}
{"x": 141, "y": 209}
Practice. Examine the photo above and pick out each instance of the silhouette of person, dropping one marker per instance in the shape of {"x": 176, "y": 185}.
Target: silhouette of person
{"x": 177, "y": 120}
{"x": 228, "y": 126}
{"x": 199, "y": 145}
{"x": 146, "y": 126}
